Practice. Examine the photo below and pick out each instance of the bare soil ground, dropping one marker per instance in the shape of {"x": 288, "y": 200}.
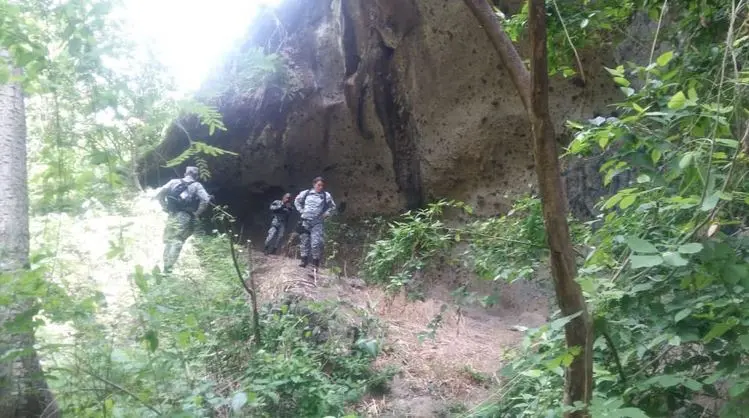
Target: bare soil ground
{"x": 454, "y": 370}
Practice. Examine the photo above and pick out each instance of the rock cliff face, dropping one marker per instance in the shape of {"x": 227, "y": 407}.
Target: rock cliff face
{"x": 395, "y": 103}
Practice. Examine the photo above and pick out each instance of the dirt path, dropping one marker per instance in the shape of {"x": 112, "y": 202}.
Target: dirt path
{"x": 450, "y": 372}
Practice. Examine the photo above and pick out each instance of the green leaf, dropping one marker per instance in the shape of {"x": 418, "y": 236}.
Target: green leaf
{"x": 627, "y": 413}
{"x": 641, "y": 287}
{"x": 643, "y": 178}
{"x": 238, "y": 401}
{"x": 627, "y": 201}
{"x": 738, "y": 389}
{"x": 665, "y": 58}
{"x": 674, "y": 259}
{"x": 622, "y": 81}
{"x": 628, "y": 91}
{"x": 667, "y": 380}
{"x": 731, "y": 143}
{"x": 691, "y": 248}
{"x": 152, "y": 340}
{"x": 682, "y": 314}
{"x": 140, "y": 279}
{"x": 719, "y": 329}
{"x": 744, "y": 341}
{"x": 557, "y": 324}
{"x": 655, "y": 155}
{"x": 183, "y": 339}
{"x": 692, "y": 385}
{"x": 677, "y": 101}
{"x": 739, "y": 41}
{"x": 532, "y": 373}
{"x": 639, "y": 245}
{"x": 686, "y": 160}
{"x": 369, "y": 346}
{"x": 584, "y": 23}
{"x": 617, "y": 72}
{"x": 613, "y": 200}
{"x": 642, "y": 261}
{"x": 692, "y": 94}
{"x": 713, "y": 377}
{"x": 710, "y": 202}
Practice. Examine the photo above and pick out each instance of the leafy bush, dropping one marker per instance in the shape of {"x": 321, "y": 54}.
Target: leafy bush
{"x": 409, "y": 243}
{"x": 509, "y": 247}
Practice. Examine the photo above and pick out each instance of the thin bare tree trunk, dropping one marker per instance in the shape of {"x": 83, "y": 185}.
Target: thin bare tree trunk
{"x": 533, "y": 89}
{"x": 579, "y": 331}
{"x": 23, "y": 389}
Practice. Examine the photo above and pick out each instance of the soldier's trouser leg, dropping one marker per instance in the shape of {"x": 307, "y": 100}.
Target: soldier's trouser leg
{"x": 280, "y": 230}
{"x": 304, "y": 241}
{"x": 271, "y": 238}
{"x": 178, "y": 229}
{"x": 317, "y": 238}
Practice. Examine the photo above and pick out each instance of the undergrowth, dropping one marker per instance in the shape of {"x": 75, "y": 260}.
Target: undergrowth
{"x": 187, "y": 349}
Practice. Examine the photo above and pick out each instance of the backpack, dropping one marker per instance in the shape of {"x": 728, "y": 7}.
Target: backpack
{"x": 324, "y": 200}
{"x": 174, "y": 201}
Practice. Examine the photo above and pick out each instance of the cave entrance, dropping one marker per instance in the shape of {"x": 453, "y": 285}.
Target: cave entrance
{"x": 251, "y": 210}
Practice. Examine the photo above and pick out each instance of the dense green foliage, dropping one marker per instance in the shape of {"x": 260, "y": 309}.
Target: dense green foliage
{"x": 665, "y": 269}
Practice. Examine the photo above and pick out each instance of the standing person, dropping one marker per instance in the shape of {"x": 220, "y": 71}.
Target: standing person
{"x": 281, "y": 210}
{"x": 314, "y": 205}
{"x": 184, "y": 200}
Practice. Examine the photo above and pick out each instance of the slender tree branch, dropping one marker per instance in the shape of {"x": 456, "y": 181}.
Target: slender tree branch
{"x": 236, "y": 262}
{"x": 510, "y": 58}
{"x": 615, "y": 352}
{"x": 655, "y": 38}
{"x": 569, "y": 40}
{"x": 121, "y": 389}
{"x": 250, "y": 289}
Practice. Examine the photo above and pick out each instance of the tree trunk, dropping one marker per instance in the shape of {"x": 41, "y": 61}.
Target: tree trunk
{"x": 579, "y": 331}
{"x": 533, "y": 89}
{"x": 23, "y": 390}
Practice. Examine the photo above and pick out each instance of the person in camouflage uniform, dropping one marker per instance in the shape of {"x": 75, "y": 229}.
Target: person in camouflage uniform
{"x": 314, "y": 205}
{"x": 184, "y": 209}
{"x": 281, "y": 210}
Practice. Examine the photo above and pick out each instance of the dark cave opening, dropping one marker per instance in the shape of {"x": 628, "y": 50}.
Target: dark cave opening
{"x": 251, "y": 210}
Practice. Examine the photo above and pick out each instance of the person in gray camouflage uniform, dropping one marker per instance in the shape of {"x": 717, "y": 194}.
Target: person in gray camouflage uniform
{"x": 281, "y": 210}
{"x": 314, "y": 205}
{"x": 182, "y": 216}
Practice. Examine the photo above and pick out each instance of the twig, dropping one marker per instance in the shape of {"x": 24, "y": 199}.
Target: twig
{"x": 178, "y": 124}
{"x": 729, "y": 36}
{"x": 615, "y": 352}
{"x": 251, "y": 292}
{"x": 121, "y": 389}
{"x": 567, "y": 35}
{"x": 621, "y": 268}
{"x": 655, "y": 360}
{"x": 655, "y": 39}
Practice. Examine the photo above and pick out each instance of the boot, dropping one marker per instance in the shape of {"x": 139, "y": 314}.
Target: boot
{"x": 266, "y": 251}
{"x": 304, "y": 262}
{"x": 315, "y": 263}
